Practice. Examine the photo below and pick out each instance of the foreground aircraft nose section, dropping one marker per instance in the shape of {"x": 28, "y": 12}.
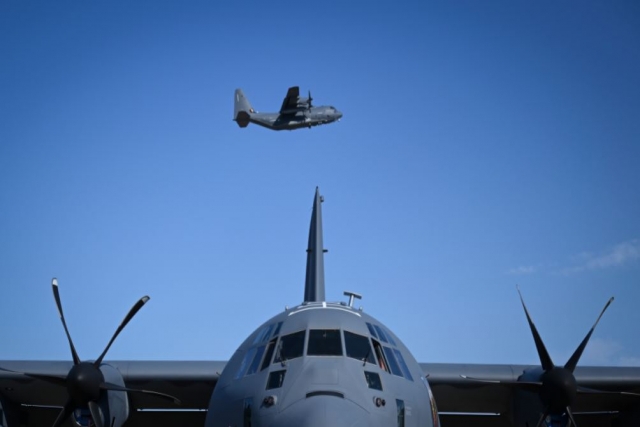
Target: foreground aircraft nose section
{"x": 322, "y": 364}
{"x": 324, "y": 410}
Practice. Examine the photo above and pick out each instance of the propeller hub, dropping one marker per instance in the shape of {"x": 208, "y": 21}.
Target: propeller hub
{"x": 83, "y": 383}
{"x": 559, "y": 389}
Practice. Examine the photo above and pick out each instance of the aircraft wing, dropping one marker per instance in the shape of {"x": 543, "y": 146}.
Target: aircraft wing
{"x": 463, "y": 402}
{"x": 291, "y": 100}
{"x": 190, "y": 381}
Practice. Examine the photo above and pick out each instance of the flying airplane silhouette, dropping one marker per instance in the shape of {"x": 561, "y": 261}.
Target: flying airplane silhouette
{"x": 296, "y": 112}
{"x": 318, "y": 364}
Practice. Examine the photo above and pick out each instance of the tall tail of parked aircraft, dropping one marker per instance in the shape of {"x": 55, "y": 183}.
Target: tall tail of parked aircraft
{"x": 314, "y": 283}
{"x": 241, "y": 109}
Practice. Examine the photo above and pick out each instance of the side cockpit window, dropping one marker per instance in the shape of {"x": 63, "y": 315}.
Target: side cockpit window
{"x": 381, "y": 334}
{"x": 393, "y": 364}
{"x": 324, "y": 342}
{"x": 290, "y": 347}
{"x": 253, "y": 368}
{"x": 254, "y": 356}
{"x": 263, "y": 334}
{"x": 246, "y": 360}
{"x": 267, "y": 357}
{"x": 358, "y": 347}
{"x": 389, "y": 358}
{"x": 267, "y": 332}
{"x": 403, "y": 364}
{"x": 372, "y": 331}
{"x": 382, "y": 362}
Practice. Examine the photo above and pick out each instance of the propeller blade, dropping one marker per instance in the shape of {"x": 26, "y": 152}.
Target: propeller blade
{"x": 96, "y": 414}
{"x": 136, "y": 307}
{"x": 116, "y": 387}
{"x": 56, "y": 295}
{"x": 64, "y": 414}
{"x": 570, "y": 415}
{"x": 545, "y": 359}
{"x": 586, "y": 390}
{"x": 573, "y": 360}
{"x": 310, "y": 99}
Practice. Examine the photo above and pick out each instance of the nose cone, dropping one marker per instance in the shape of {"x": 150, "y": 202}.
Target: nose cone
{"x": 323, "y": 411}
{"x": 338, "y": 115}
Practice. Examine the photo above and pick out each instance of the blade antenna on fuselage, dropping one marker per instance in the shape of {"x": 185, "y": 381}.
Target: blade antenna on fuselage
{"x": 314, "y": 283}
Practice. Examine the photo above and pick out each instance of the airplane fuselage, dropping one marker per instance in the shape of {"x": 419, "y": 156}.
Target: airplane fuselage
{"x": 322, "y": 364}
{"x": 305, "y": 118}
{"x": 296, "y": 113}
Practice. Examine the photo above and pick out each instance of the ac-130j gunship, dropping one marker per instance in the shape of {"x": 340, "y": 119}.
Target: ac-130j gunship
{"x": 318, "y": 364}
{"x": 297, "y": 112}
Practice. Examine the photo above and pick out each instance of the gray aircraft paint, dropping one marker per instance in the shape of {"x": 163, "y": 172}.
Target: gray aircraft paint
{"x": 327, "y": 390}
{"x": 296, "y": 113}
{"x": 314, "y": 283}
{"x": 489, "y": 400}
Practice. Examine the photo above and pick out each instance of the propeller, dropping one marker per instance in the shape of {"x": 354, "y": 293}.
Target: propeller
{"x": 557, "y": 386}
{"x": 310, "y": 99}
{"x": 85, "y": 381}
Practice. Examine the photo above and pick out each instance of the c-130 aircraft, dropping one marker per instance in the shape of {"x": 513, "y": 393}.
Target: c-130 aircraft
{"x": 296, "y": 112}
{"x": 318, "y": 364}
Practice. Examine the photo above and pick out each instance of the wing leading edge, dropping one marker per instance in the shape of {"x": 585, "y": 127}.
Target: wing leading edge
{"x": 39, "y": 401}
{"x": 492, "y": 399}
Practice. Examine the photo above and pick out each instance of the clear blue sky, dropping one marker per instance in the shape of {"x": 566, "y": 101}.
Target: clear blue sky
{"x": 483, "y": 145}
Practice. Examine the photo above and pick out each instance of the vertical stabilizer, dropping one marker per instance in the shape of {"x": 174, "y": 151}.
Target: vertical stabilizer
{"x": 314, "y": 283}
{"x": 242, "y": 109}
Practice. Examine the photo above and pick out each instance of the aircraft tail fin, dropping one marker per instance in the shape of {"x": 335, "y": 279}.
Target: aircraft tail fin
{"x": 242, "y": 109}
{"x": 314, "y": 283}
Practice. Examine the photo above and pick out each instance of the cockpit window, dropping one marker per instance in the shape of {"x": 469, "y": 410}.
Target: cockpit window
{"x": 358, "y": 347}
{"x": 324, "y": 342}
{"x": 373, "y": 380}
{"x": 267, "y": 357}
{"x": 290, "y": 347}
{"x": 395, "y": 368}
{"x": 381, "y": 333}
{"x": 390, "y": 338}
{"x": 380, "y": 355}
{"x": 245, "y": 362}
{"x": 277, "y": 329}
{"x": 276, "y": 378}
{"x": 253, "y": 368}
{"x": 371, "y": 330}
{"x": 264, "y": 334}
{"x": 403, "y": 365}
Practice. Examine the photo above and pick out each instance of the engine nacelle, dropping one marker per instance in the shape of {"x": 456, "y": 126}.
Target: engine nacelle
{"x": 114, "y": 405}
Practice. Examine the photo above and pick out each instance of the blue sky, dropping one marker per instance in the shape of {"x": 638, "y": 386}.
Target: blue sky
{"x": 483, "y": 145}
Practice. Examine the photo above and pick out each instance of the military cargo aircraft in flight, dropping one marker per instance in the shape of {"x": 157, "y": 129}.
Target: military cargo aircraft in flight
{"x": 296, "y": 112}
{"x": 316, "y": 364}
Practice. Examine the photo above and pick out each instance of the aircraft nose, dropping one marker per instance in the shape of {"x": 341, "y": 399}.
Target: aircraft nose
{"x": 324, "y": 411}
